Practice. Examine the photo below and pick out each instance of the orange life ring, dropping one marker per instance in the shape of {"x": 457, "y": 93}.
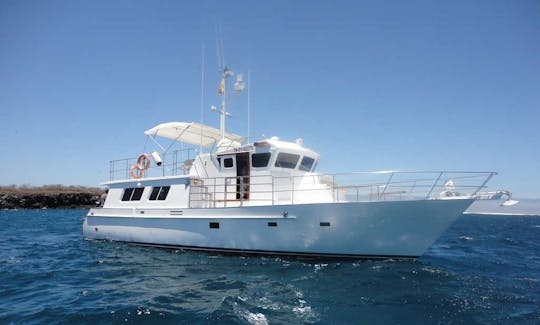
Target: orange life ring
{"x": 136, "y": 172}
{"x": 143, "y": 161}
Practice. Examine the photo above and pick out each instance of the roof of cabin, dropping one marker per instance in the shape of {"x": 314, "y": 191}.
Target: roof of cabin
{"x": 291, "y": 147}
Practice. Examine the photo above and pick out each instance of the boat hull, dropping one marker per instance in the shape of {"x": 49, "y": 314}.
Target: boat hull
{"x": 396, "y": 229}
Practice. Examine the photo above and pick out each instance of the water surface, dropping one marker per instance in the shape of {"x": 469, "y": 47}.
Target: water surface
{"x": 484, "y": 269}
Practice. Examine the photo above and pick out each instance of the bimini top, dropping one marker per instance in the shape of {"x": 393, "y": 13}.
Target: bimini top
{"x": 190, "y": 132}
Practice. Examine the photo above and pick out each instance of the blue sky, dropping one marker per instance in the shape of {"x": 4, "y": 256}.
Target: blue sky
{"x": 370, "y": 85}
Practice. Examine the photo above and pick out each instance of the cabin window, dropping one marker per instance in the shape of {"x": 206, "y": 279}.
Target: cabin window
{"x": 286, "y": 160}
{"x": 228, "y": 163}
{"x": 132, "y": 194}
{"x": 306, "y": 164}
{"x": 137, "y": 193}
{"x": 260, "y": 159}
{"x": 163, "y": 193}
{"x": 159, "y": 193}
{"x": 127, "y": 194}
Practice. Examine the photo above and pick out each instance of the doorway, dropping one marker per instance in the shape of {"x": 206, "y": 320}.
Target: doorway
{"x": 242, "y": 174}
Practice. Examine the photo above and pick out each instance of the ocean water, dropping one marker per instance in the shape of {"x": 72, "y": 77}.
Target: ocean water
{"x": 483, "y": 270}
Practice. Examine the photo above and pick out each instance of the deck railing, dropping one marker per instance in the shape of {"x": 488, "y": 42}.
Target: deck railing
{"x": 176, "y": 162}
{"x": 346, "y": 187}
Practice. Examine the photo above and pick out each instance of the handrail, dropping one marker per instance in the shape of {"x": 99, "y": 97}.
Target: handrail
{"x": 172, "y": 165}
{"x": 312, "y": 188}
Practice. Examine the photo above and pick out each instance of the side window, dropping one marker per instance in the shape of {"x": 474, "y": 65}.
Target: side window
{"x": 286, "y": 160}
{"x": 228, "y": 163}
{"x": 159, "y": 193}
{"x": 260, "y": 159}
{"x": 127, "y": 194}
{"x": 163, "y": 193}
{"x": 154, "y": 194}
{"x": 137, "y": 193}
{"x": 306, "y": 163}
{"x": 132, "y": 194}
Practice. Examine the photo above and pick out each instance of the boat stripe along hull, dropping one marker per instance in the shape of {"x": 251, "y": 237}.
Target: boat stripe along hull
{"x": 397, "y": 229}
{"x": 227, "y": 251}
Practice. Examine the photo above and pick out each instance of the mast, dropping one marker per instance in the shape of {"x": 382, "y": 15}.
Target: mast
{"x": 222, "y": 90}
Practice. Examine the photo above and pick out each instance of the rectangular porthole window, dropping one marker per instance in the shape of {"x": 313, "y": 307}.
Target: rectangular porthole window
{"x": 214, "y": 225}
{"x": 132, "y": 194}
{"x": 228, "y": 163}
{"x": 272, "y": 224}
{"x": 325, "y": 224}
{"x": 159, "y": 193}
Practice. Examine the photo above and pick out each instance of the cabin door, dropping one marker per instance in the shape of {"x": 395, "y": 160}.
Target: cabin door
{"x": 242, "y": 174}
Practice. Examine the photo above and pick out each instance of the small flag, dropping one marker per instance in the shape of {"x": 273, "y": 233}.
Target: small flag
{"x": 221, "y": 88}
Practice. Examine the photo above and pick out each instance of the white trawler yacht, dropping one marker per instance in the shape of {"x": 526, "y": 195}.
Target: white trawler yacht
{"x": 265, "y": 197}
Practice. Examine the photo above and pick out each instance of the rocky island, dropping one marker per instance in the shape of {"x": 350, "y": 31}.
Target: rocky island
{"x": 48, "y": 197}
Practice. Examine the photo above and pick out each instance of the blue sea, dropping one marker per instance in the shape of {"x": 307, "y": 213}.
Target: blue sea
{"x": 484, "y": 270}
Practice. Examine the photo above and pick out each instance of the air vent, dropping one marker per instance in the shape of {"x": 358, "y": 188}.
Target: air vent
{"x": 325, "y": 224}
{"x": 272, "y": 224}
{"x": 214, "y": 225}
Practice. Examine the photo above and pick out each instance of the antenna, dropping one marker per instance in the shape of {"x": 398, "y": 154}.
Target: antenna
{"x": 202, "y": 96}
{"x": 248, "y": 105}
{"x": 219, "y": 46}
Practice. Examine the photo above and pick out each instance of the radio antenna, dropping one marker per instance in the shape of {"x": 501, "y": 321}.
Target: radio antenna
{"x": 248, "y": 105}
{"x": 202, "y": 96}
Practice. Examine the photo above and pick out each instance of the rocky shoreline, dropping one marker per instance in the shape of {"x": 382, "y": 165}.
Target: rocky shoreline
{"x": 38, "y": 198}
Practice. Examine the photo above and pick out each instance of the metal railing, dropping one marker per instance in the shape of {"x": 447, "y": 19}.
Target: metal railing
{"x": 346, "y": 187}
{"x": 176, "y": 162}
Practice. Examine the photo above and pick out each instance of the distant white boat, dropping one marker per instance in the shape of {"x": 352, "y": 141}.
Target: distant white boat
{"x": 265, "y": 197}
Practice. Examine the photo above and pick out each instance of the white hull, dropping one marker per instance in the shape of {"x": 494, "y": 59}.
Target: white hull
{"x": 358, "y": 229}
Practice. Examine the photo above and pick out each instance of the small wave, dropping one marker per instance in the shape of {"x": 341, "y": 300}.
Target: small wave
{"x": 319, "y": 267}
{"x": 256, "y": 318}
{"x": 528, "y": 280}
{"x": 535, "y": 226}
{"x": 467, "y": 238}
{"x": 434, "y": 271}
{"x": 306, "y": 313}
{"x": 141, "y": 311}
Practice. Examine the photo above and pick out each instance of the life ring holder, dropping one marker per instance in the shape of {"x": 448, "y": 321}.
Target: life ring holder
{"x": 138, "y": 170}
